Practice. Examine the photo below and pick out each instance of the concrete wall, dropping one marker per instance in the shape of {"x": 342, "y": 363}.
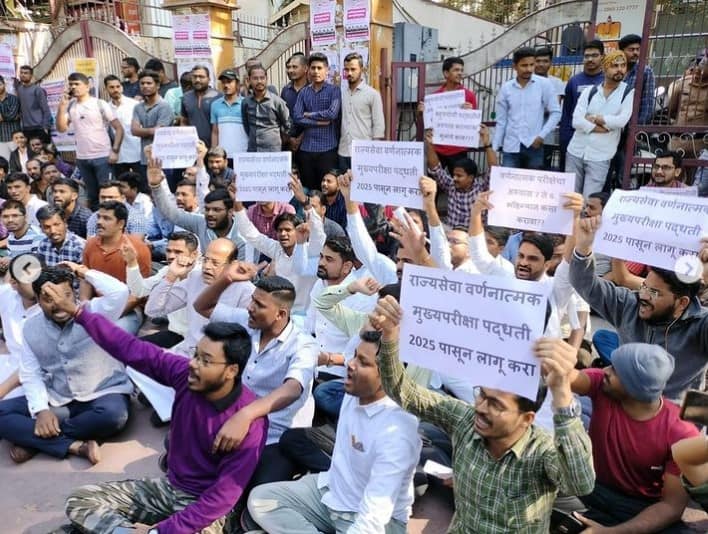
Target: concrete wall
{"x": 457, "y": 30}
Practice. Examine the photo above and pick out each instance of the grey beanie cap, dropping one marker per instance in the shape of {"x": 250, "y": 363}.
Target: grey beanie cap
{"x": 643, "y": 369}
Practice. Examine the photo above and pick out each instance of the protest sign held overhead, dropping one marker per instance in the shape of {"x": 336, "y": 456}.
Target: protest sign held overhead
{"x": 652, "y": 228}
{"x": 176, "y": 146}
{"x": 531, "y": 200}
{"x": 263, "y": 176}
{"x": 444, "y": 100}
{"x": 480, "y": 328}
{"x": 457, "y": 127}
{"x": 387, "y": 172}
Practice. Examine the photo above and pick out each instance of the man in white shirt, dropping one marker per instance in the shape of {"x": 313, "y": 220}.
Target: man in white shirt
{"x": 368, "y": 487}
{"x": 122, "y": 106}
{"x": 17, "y": 302}
{"x": 362, "y": 110}
{"x": 280, "y": 370}
{"x": 600, "y": 114}
{"x": 129, "y": 183}
{"x": 18, "y": 188}
{"x": 289, "y": 252}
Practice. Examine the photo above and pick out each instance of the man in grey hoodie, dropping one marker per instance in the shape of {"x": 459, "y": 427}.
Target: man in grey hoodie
{"x": 665, "y": 311}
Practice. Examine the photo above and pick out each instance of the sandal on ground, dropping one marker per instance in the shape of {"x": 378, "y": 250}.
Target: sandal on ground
{"x": 20, "y": 455}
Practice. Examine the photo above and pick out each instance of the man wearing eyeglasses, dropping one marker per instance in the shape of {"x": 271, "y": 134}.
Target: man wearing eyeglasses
{"x": 591, "y": 75}
{"x": 200, "y": 487}
{"x": 666, "y": 171}
{"x": 665, "y": 311}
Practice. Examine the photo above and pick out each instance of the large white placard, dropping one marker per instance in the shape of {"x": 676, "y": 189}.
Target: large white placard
{"x": 444, "y": 100}
{"x": 531, "y": 200}
{"x": 480, "y": 328}
{"x": 176, "y": 146}
{"x": 691, "y": 191}
{"x": 652, "y": 228}
{"x": 262, "y": 176}
{"x": 456, "y": 127}
{"x": 388, "y": 172}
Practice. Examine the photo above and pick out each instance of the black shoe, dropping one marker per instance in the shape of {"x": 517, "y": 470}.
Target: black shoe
{"x": 162, "y": 462}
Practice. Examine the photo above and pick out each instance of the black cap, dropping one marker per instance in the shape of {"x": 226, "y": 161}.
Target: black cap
{"x": 229, "y": 74}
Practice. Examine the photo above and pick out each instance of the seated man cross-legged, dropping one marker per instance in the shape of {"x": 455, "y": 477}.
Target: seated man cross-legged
{"x": 201, "y": 487}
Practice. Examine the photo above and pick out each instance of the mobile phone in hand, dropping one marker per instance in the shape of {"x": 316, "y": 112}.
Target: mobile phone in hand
{"x": 695, "y": 407}
{"x": 564, "y": 523}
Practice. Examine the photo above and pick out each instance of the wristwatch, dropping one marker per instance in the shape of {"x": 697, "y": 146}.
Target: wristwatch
{"x": 574, "y": 409}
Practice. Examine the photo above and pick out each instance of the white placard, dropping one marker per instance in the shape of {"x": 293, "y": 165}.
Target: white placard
{"x": 262, "y": 176}
{"x": 652, "y": 228}
{"x": 388, "y": 172}
{"x": 176, "y": 146}
{"x": 691, "y": 191}
{"x": 446, "y": 99}
{"x": 531, "y": 200}
{"x": 161, "y": 397}
{"x": 457, "y": 127}
{"x": 479, "y": 328}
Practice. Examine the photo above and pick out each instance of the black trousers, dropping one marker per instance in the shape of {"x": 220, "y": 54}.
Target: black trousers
{"x": 314, "y": 165}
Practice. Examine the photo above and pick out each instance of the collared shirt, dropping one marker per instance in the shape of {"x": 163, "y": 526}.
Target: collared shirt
{"x": 329, "y": 337}
{"x": 615, "y": 109}
{"x": 374, "y": 458}
{"x": 265, "y": 121}
{"x": 290, "y": 267}
{"x": 27, "y": 243}
{"x": 292, "y": 354}
{"x": 459, "y": 202}
{"x": 90, "y": 120}
{"x": 143, "y": 204}
{"x": 289, "y": 94}
{"x": 470, "y": 98}
{"x": 167, "y": 297}
{"x": 198, "y": 112}
{"x": 10, "y": 114}
{"x": 264, "y": 222}
{"x": 78, "y": 218}
{"x": 362, "y": 116}
{"x": 520, "y": 113}
{"x": 675, "y": 184}
{"x": 646, "y": 104}
{"x": 322, "y": 105}
{"x": 229, "y": 120}
{"x": 514, "y": 493}
{"x": 72, "y": 249}
{"x": 381, "y": 267}
{"x": 131, "y": 146}
{"x": 142, "y": 287}
{"x": 34, "y": 106}
{"x": 174, "y": 98}
{"x": 159, "y": 114}
{"x": 136, "y": 222}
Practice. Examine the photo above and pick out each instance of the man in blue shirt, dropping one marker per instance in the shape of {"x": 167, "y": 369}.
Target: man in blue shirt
{"x": 527, "y": 111}
{"x": 591, "y": 75}
{"x": 317, "y": 111}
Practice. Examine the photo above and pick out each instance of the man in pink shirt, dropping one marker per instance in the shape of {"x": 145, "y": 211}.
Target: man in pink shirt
{"x": 263, "y": 214}
{"x": 95, "y": 152}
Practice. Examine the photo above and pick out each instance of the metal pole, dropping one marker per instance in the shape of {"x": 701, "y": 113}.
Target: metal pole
{"x": 636, "y": 104}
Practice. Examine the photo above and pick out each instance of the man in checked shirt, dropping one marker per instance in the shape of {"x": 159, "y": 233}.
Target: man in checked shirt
{"x": 464, "y": 185}
{"x": 507, "y": 471}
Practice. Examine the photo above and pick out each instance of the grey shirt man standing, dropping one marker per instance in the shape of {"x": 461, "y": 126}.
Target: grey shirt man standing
{"x": 196, "y": 104}
{"x": 34, "y": 108}
{"x": 266, "y": 118}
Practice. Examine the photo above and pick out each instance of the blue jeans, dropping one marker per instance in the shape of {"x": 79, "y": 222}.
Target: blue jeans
{"x": 605, "y": 342}
{"x": 329, "y": 396}
{"x": 94, "y": 172}
{"x": 78, "y": 421}
{"x": 525, "y": 158}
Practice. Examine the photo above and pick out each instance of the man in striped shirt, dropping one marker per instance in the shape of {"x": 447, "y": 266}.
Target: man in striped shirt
{"x": 23, "y": 236}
